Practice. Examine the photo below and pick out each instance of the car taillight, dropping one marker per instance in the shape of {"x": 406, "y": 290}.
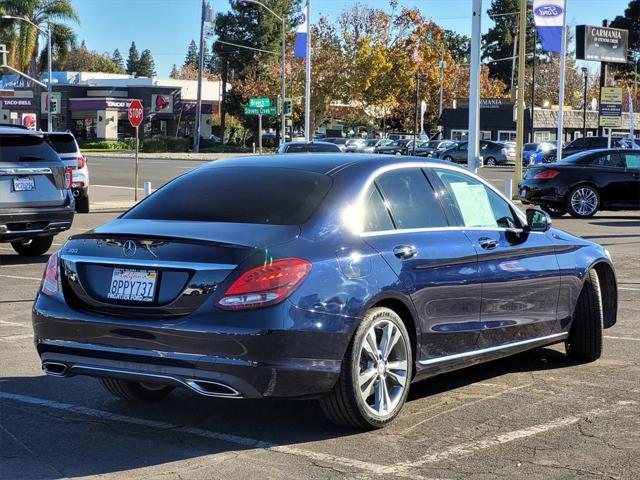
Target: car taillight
{"x": 68, "y": 178}
{"x": 265, "y": 285}
{"x": 81, "y": 162}
{"x": 50, "y": 276}
{"x": 546, "y": 174}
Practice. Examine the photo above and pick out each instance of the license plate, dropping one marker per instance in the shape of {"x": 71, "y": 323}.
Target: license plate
{"x": 23, "y": 184}
{"x": 523, "y": 193}
{"x": 133, "y": 285}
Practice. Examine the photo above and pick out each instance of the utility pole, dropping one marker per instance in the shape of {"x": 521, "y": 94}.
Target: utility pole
{"x": 49, "y": 84}
{"x": 473, "y": 146}
{"x": 522, "y": 40}
{"x": 563, "y": 63}
{"x": 204, "y": 15}
{"x": 603, "y": 82}
{"x": 308, "y": 136}
{"x": 415, "y": 119}
{"x": 585, "y": 72}
{"x": 533, "y": 85}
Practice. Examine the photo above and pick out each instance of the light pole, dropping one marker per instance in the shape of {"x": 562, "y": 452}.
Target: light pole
{"x": 282, "y": 19}
{"x": 48, "y": 34}
{"x": 585, "y": 72}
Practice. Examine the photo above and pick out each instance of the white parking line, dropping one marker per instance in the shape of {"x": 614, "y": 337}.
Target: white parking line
{"x": 20, "y": 278}
{"x": 629, "y": 288}
{"x": 469, "y": 448}
{"x": 114, "y": 186}
{"x": 13, "y": 324}
{"x": 224, "y": 437}
{"x": 623, "y": 338}
{"x": 21, "y": 336}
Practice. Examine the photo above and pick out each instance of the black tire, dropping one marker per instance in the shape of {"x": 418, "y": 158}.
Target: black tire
{"x": 448, "y": 158}
{"x": 553, "y": 211}
{"x": 136, "y": 391}
{"x": 34, "y": 247}
{"x": 82, "y": 204}
{"x": 343, "y": 405}
{"x": 585, "y": 337}
{"x": 491, "y": 162}
{"x": 582, "y": 191}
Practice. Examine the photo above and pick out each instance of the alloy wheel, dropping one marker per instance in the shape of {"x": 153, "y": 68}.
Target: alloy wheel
{"x": 382, "y": 376}
{"x": 584, "y": 201}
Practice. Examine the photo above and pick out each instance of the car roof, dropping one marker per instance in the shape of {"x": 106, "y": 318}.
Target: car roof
{"x": 325, "y": 163}
{"x": 18, "y": 130}
{"x": 308, "y": 143}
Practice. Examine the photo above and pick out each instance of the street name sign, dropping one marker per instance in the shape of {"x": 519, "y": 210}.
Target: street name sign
{"x": 260, "y": 111}
{"x": 259, "y": 102}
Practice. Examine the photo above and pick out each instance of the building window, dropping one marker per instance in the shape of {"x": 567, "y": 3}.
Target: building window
{"x": 459, "y": 134}
{"x": 485, "y": 134}
{"x": 506, "y": 136}
{"x": 540, "y": 137}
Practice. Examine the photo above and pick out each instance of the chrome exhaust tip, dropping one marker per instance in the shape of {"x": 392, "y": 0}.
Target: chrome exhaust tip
{"x": 212, "y": 389}
{"x": 55, "y": 369}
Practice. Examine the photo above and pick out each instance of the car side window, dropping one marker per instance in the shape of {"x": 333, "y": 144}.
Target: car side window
{"x": 608, "y": 160}
{"x": 632, "y": 160}
{"x": 315, "y": 148}
{"x": 411, "y": 199}
{"x": 462, "y": 146}
{"x": 598, "y": 143}
{"x": 577, "y": 143}
{"x": 301, "y": 148}
{"x": 376, "y": 215}
{"x": 479, "y": 206}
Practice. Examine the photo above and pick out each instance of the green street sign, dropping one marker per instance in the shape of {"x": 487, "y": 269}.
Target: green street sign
{"x": 259, "y": 102}
{"x": 260, "y": 111}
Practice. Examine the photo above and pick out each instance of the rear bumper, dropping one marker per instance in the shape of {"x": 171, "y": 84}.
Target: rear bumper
{"x": 299, "y": 360}
{"x": 21, "y": 224}
{"x": 541, "y": 193}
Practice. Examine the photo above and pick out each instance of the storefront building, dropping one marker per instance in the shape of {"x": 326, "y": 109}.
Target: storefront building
{"x": 94, "y": 106}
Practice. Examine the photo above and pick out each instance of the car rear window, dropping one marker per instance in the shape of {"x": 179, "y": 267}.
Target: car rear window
{"x": 16, "y": 148}
{"x": 320, "y": 147}
{"x": 261, "y": 195}
{"x": 63, "y": 143}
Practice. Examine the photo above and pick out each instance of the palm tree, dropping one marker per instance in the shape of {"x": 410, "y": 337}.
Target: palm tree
{"x": 25, "y": 46}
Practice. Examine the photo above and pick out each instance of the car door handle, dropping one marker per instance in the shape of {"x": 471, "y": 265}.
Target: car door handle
{"x": 488, "y": 243}
{"x": 404, "y": 251}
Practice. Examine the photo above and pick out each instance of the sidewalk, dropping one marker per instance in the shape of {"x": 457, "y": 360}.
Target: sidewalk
{"x": 202, "y": 157}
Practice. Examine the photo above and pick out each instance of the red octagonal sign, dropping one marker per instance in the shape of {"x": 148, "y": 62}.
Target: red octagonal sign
{"x": 135, "y": 113}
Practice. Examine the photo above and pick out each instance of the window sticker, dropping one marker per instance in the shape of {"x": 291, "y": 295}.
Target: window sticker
{"x": 474, "y": 205}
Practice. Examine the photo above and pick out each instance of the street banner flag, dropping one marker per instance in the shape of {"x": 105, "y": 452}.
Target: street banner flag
{"x": 302, "y": 35}
{"x": 549, "y": 19}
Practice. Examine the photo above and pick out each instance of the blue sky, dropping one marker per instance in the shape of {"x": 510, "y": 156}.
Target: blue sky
{"x": 167, "y": 26}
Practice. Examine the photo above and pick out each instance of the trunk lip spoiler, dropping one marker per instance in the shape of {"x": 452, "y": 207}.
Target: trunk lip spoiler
{"x": 136, "y": 262}
{"x": 25, "y": 171}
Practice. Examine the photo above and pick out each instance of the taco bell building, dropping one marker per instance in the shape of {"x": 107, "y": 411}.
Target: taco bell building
{"x": 94, "y": 105}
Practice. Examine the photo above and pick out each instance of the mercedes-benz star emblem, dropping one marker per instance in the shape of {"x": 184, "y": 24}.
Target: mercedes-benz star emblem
{"x": 129, "y": 248}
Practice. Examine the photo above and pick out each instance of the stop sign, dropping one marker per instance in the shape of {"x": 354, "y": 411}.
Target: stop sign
{"x": 135, "y": 113}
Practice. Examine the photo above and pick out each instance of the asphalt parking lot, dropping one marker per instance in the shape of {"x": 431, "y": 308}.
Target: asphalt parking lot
{"x": 535, "y": 415}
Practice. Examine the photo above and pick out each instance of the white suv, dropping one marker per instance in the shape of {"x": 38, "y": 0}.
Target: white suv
{"x": 65, "y": 144}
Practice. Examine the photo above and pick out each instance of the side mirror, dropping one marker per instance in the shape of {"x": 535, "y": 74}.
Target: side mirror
{"x": 538, "y": 220}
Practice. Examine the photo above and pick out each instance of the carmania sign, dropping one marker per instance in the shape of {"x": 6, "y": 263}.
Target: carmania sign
{"x": 601, "y": 44}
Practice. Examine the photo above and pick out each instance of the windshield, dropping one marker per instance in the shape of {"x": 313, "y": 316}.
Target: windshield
{"x": 63, "y": 143}
{"x": 371, "y": 143}
{"x": 280, "y": 196}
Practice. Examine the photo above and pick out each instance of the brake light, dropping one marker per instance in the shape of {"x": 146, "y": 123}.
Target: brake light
{"x": 50, "y": 276}
{"x": 81, "y": 162}
{"x": 546, "y": 174}
{"x": 68, "y": 178}
{"x": 265, "y": 285}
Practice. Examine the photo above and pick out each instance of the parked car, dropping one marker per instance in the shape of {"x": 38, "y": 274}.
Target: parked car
{"x": 36, "y": 201}
{"x": 339, "y": 141}
{"x": 396, "y": 147}
{"x": 215, "y": 138}
{"x": 585, "y": 183}
{"x": 429, "y": 148}
{"x": 322, "y": 277}
{"x": 311, "y": 147}
{"x": 493, "y": 153}
{"x": 64, "y": 143}
{"x": 586, "y": 143}
{"x": 355, "y": 145}
{"x": 372, "y": 144}
{"x": 534, "y": 153}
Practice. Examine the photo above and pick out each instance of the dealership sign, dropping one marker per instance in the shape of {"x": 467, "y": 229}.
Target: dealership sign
{"x": 610, "y": 107}
{"x": 601, "y": 44}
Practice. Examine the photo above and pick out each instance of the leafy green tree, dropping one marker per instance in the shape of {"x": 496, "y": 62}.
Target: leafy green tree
{"x": 629, "y": 21}
{"x": 146, "y": 65}
{"x": 498, "y": 42}
{"x": 133, "y": 59}
{"x": 175, "y": 73}
{"x": 458, "y": 45}
{"x": 24, "y": 43}
{"x": 84, "y": 60}
{"x": 117, "y": 60}
{"x": 191, "y": 59}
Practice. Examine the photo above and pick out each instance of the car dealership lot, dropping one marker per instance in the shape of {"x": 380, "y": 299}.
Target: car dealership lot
{"x": 533, "y": 415}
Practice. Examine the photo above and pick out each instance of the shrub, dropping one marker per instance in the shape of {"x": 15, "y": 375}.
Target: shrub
{"x": 106, "y": 144}
{"x": 164, "y": 143}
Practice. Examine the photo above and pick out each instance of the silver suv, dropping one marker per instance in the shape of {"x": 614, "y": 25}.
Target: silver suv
{"x": 36, "y": 201}
{"x": 65, "y": 144}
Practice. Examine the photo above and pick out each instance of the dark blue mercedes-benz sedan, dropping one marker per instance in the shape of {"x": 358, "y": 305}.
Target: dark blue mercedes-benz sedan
{"x": 320, "y": 277}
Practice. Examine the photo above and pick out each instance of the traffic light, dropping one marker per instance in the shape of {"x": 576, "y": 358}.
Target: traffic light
{"x": 288, "y": 106}
{"x": 53, "y": 105}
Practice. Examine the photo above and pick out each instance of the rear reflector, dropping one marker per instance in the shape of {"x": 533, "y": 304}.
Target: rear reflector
{"x": 68, "y": 178}
{"x": 546, "y": 174}
{"x": 265, "y": 285}
{"x": 81, "y": 162}
{"x": 50, "y": 276}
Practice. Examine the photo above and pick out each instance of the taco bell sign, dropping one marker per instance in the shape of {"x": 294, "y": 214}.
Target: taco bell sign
{"x": 549, "y": 19}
